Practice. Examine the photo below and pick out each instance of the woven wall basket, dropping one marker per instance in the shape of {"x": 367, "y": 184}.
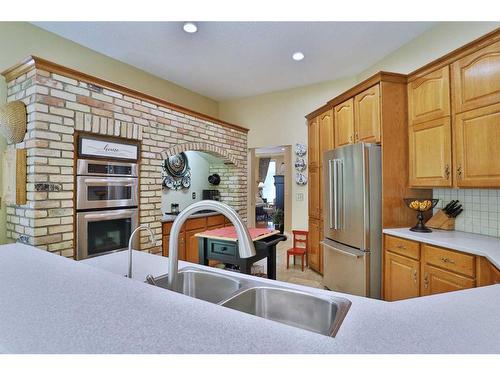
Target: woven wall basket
{"x": 13, "y": 121}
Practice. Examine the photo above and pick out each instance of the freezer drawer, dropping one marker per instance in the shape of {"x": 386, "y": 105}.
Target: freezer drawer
{"x": 346, "y": 269}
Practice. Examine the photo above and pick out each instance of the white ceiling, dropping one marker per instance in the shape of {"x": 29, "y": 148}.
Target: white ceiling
{"x": 226, "y": 60}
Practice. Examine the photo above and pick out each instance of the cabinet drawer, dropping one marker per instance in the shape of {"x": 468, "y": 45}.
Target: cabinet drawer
{"x": 450, "y": 260}
{"x": 403, "y": 247}
{"x": 221, "y": 248}
{"x": 166, "y": 228}
{"x": 196, "y": 223}
{"x": 215, "y": 220}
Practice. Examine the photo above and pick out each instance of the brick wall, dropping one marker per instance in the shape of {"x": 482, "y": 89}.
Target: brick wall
{"x": 58, "y": 106}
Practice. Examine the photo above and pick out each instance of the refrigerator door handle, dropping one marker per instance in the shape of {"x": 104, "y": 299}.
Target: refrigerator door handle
{"x": 340, "y": 194}
{"x": 332, "y": 194}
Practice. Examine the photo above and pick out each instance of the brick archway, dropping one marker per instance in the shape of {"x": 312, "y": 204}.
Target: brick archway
{"x": 203, "y": 147}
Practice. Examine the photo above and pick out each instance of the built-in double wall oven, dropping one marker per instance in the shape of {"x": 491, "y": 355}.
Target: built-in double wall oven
{"x": 107, "y": 199}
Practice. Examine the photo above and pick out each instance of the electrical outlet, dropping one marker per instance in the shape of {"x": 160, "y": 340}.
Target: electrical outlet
{"x": 194, "y": 195}
{"x": 299, "y": 197}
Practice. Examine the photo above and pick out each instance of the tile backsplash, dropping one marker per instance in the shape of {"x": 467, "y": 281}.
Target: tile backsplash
{"x": 481, "y": 209}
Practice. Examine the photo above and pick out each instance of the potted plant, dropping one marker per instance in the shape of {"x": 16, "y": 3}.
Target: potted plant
{"x": 278, "y": 220}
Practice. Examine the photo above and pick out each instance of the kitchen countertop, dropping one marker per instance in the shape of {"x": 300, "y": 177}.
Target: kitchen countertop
{"x": 477, "y": 244}
{"x": 50, "y": 304}
{"x": 169, "y": 218}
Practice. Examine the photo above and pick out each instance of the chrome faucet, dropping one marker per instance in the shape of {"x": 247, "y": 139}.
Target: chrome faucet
{"x": 245, "y": 244}
{"x": 137, "y": 230}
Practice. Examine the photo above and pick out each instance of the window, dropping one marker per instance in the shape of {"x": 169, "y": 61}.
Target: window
{"x": 269, "y": 192}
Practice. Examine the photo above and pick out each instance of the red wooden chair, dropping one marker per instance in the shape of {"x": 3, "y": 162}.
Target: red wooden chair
{"x": 299, "y": 238}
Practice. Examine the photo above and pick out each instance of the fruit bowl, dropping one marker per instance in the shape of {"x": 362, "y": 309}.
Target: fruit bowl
{"x": 420, "y": 205}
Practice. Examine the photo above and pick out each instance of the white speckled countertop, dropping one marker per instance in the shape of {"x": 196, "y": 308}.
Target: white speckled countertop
{"x": 486, "y": 246}
{"x": 50, "y": 304}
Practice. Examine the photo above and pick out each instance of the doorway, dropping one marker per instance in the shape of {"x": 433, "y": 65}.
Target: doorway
{"x": 270, "y": 185}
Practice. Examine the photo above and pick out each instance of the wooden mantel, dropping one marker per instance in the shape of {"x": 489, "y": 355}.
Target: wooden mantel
{"x": 32, "y": 62}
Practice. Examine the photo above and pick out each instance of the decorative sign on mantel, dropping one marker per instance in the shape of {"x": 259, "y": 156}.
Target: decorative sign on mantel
{"x": 105, "y": 149}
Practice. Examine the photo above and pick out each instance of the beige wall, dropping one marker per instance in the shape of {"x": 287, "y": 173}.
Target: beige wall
{"x": 432, "y": 44}
{"x": 21, "y": 39}
{"x": 278, "y": 118}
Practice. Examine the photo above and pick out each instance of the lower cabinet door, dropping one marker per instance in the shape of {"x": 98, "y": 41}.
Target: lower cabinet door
{"x": 402, "y": 277}
{"x": 436, "y": 281}
{"x": 192, "y": 245}
{"x": 181, "y": 250}
{"x": 314, "y": 246}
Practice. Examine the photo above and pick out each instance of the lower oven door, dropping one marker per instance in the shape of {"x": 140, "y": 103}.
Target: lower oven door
{"x": 103, "y": 232}
{"x": 102, "y": 192}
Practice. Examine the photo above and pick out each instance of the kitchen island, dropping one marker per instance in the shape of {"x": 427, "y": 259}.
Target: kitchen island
{"x": 50, "y": 304}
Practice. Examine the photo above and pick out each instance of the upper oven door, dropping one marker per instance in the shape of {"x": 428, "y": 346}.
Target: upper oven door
{"x": 99, "y": 192}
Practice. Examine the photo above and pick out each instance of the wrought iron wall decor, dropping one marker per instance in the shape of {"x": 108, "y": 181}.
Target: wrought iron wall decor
{"x": 176, "y": 172}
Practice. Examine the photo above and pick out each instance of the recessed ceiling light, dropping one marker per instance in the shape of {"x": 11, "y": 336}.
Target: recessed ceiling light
{"x": 190, "y": 27}
{"x": 297, "y": 56}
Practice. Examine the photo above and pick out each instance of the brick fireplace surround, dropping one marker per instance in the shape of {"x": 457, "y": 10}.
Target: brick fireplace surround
{"x": 61, "y": 101}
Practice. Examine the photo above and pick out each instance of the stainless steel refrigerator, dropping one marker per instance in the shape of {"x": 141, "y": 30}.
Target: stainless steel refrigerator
{"x": 352, "y": 219}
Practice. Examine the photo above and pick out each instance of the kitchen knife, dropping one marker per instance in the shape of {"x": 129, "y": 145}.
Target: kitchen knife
{"x": 456, "y": 213}
{"x": 455, "y": 209}
{"x": 448, "y": 205}
{"x": 452, "y": 207}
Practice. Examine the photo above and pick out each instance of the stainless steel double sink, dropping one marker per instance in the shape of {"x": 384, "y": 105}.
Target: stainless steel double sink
{"x": 289, "y": 306}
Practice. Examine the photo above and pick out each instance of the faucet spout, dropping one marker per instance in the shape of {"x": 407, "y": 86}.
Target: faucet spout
{"x": 130, "y": 241}
{"x": 246, "y": 247}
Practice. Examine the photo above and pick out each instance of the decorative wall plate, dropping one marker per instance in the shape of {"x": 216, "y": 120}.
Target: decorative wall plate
{"x": 300, "y": 178}
{"x": 177, "y": 174}
{"x": 300, "y": 165}
{"x": 300, "y": 149}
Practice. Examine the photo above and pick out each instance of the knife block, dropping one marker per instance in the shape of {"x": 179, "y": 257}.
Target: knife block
{"x": 441, "y": 221}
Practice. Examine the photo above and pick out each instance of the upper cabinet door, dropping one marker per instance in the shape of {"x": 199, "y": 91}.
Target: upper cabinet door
{"x": 313, "y": 136}
{"x": 429, "y": 96}
{"x": 430, "y": 153}
{"x": 476, "y": 79}
{"x": 344, "y": 123}
{"x": 325, "y": 133}
{"x": 477, "y": 141}
{"x": 367, "y": 115}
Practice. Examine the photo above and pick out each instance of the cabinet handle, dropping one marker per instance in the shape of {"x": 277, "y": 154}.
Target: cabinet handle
{"x": 401, "y": 246}
{"x": 447, "y": 260}
{"x": 415, "y": 276}
{"x": 350, "y": 138}
{"x": 426, "y": 281}
{"x": 459, "y": 172}
{"x": 447, "y": 171}
{"x": 356, "y": 136}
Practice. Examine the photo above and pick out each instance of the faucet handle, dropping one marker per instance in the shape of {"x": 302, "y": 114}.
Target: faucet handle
{"x": 151, "y": 280}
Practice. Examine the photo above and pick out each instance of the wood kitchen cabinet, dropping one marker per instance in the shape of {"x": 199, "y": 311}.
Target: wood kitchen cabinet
{"x": 320, "y": 139}
{"x": 402, "y": 277}
{"x": 456, "y": 145}
{"x": 436, "y": 280}
{"x": 313, "y": 256}
{"x": 344, "y": 123}
{"x": 376, "y": 111}
{"x": 476, "y": 79}
{"x": 367, "y": 115}
{"x": 188, "y": 243}
{"x": 314, "y": 193}
{"x": 477, "y": 145}
{"x": 429, "y": 96}
{"x": 430, "y": 153}
{"x": 413, "y": 269}
{"x": 313, "y": 143}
